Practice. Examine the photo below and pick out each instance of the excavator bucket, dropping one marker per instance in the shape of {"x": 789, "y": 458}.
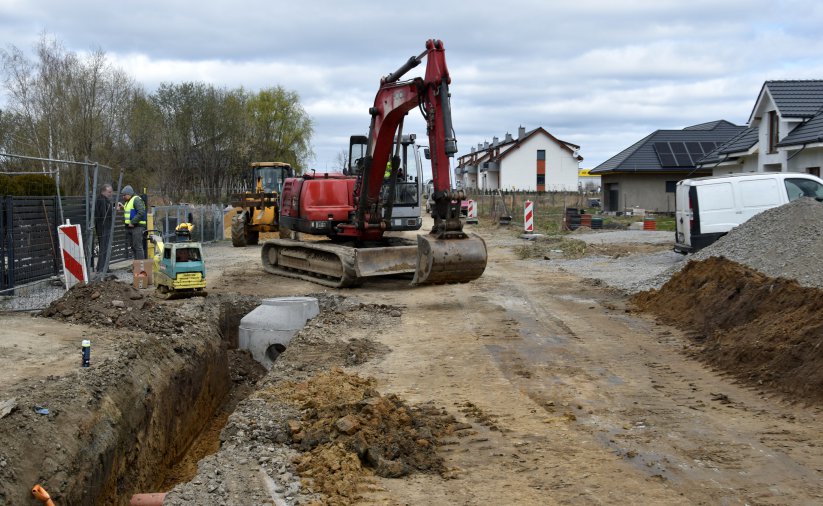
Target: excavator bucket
{"x": 449, "y": 260}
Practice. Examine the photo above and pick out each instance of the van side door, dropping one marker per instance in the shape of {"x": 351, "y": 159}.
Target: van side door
{"x": 717, "y": 207}
{"x": 757, "y": 195}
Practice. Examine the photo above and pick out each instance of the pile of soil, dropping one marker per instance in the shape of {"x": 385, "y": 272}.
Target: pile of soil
{"x": 112, "y": 302}
{"x": 766, "y": 331}
{"x": 347, "y": 431}
{"x": 783, "y": 242}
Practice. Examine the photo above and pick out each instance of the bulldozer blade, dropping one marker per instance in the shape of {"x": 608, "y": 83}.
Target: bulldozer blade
{"x": 449, "y": 260}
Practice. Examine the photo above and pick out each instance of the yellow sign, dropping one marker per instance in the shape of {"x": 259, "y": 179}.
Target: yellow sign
{"x": 585, "y": 173}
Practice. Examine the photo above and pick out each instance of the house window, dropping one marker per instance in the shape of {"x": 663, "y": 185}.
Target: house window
{"x": 671, "y": 186}
{"x": 541, "y": 180}
{"x": 541, "y": 154}
{"x": 814, "y": 171}
{"x": 773, "y": 131}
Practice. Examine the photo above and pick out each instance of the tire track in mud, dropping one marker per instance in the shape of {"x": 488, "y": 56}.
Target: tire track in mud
{"x": 665, "y": 414}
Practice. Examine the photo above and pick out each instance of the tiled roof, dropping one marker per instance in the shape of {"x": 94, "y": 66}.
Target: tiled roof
{"x": 711, "y": 125}
{"x": 806, "y": 133}
{"x": 642, "y": 156}
{"x": 796, "y": 99}
{"x": 737, "y": 144}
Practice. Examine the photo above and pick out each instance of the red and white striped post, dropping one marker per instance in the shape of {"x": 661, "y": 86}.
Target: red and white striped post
{"x": 74, "y": 258}
{"x": 528, "y": 216}
{"x": 471, "y": 214}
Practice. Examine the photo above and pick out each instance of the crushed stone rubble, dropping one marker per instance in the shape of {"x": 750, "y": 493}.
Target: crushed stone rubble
{"x": 784, "y": 241}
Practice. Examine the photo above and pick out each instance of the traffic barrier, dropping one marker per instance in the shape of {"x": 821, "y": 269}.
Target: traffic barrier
{"x": 74, "y": 258}
{"x": 471, "y": 214}
{"x": 649, "y": 224}
{"x": 586, "y": 220}
{"x": 528, "y": 216}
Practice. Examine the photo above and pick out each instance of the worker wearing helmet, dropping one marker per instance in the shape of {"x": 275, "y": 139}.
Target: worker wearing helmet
{"x": 134, "y": 215}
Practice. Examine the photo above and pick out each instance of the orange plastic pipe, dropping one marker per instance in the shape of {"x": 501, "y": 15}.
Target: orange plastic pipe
{"x": 153, "y": 499}
{"x": 41, "y": 495}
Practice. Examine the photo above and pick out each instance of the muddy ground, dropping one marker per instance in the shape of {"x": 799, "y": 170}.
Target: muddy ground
{"x": 530, "y": 385}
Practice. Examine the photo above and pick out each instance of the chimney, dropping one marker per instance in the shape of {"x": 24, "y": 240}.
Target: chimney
{"x": 479, "y": 146}
{"x": 486, "y": 145}
{"x": 472, "y": 149}
{"x": 495, "y": 141}
{"x": 521, "y": 132}
{"x": 508, "y": 137}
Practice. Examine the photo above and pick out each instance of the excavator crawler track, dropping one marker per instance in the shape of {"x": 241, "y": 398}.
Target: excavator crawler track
{"x": 327, "y": 265}
{"x": 430, "y": 261}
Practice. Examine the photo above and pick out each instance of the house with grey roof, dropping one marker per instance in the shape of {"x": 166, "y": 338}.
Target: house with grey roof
{"x": 644, "y": 175}
{"x": 534, "y": 161}
{"x": 784, "y": 134}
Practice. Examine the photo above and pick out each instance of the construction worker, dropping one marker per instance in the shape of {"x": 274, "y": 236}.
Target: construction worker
{"x": 103, "y": 217}
{"x": 387, "y": 174}
{"x": 134, "y": 214}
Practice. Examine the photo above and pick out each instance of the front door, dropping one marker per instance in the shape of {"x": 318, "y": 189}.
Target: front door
{"x": 612, "y": 196}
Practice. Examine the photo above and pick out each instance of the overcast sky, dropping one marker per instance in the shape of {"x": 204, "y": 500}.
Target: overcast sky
{"x": 597, "y": 73}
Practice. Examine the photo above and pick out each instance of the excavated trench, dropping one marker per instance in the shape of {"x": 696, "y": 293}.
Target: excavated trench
{"x": 228, "y": 376}
{"x": 163, "y": 383}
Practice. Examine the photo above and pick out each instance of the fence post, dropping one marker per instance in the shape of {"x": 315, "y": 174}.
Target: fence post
{"x": 9, "y": 240}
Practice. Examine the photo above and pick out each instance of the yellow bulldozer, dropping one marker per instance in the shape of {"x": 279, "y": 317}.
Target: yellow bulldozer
{"x": 259, "y": 209}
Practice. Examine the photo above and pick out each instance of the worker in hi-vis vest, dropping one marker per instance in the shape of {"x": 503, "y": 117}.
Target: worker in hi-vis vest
{"x": 134, "y": 214}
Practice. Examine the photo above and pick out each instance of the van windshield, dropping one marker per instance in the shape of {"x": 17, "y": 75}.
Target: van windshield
{"x": 797, "y": 188}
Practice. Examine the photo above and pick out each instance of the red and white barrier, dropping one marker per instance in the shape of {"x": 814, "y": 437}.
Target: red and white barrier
{"x": 471, "y": 214}
{"x": 528, "y": 216}
{"x": 74, "y": 258}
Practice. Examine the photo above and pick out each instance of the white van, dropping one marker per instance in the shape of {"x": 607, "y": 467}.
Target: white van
{"x": 706, "y": 208}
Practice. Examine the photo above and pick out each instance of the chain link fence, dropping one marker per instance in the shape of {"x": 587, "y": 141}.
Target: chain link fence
{"x": 31, "y": 267}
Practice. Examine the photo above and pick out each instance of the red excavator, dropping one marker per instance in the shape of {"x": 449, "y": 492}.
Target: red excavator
{"x": 354, "y": 214}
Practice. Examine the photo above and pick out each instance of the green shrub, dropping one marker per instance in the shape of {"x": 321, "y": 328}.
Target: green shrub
{"x": 35, "y": 185}
{"x": 8, "y": 185}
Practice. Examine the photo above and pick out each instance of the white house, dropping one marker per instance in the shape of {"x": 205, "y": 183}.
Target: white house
{"x": 535, "y": 161}
{"x": 784, "y": 134}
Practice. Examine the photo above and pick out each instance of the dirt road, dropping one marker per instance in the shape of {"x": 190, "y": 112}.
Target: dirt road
{"x": 571, "y": 398}
{"x": 544, "y": 388}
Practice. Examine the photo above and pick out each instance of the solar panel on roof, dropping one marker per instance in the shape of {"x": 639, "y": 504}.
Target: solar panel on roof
{"x": 683, "y": 160}
{"x": 708, "y": 146}
{"x": 662, "y": 148}
{"x": 667, "y": 160}
{"x": 664, "y": 154}
{"x": 678, "y": 147}
{"x": 694, "y": 148}
{"x": 681, "y": 154}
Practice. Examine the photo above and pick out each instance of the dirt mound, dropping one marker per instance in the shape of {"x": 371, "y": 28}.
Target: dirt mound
{"x": 112, "y": 302}
{"x": 766, "y": 331}
{"x": 349, "y": 431}
{"x": 780, "y": 242}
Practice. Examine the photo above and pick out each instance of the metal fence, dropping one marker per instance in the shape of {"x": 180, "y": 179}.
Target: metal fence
{"x": 29, "y": 248}
{"x": 207, "y": 220}
{"x": 549, "y": 207}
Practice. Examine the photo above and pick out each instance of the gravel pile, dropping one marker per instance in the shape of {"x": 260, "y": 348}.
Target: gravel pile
{"x": 785, "y": 241}
{"x": 782, "y": 242}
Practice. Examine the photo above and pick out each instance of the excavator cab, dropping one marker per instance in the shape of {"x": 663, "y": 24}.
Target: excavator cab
{"x": 270, "y": 176}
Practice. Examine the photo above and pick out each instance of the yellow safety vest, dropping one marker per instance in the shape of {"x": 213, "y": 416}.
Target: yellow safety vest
{"x": 129, "y": 211}
{"x": 388, "y": 170}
